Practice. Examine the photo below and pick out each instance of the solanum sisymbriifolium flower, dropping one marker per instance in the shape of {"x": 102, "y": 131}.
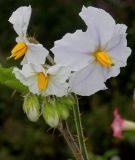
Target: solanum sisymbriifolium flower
{"x": 44, "y": 80}
{"x": 96, "y": 54}
{"x": 32, "y": 52}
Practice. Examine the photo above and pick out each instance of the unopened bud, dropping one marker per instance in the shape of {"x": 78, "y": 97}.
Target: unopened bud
{"x": 31, "y": 107}
{"x": 62, "y": 110}
{"x": 68, "y": 101}
{"x": 50, "y": 115}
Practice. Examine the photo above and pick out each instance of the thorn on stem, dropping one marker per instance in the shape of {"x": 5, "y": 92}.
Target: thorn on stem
{"x": 13, "y": 93}
{"x": 76, "y": 136}
{"x": 85, "y": 139}
{"x": 48, "y": 130}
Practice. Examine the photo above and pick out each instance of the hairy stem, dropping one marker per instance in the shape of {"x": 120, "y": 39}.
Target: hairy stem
{"x": 80, "y": 152}
{"x": 63, "y": 128}
{"x": 79, "y": 129}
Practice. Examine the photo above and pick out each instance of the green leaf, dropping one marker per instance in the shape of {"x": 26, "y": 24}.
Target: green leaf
{"x": 8, "y": 78}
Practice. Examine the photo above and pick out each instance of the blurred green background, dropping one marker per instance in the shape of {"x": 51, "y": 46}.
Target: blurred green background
{"x": 21, "y": 139}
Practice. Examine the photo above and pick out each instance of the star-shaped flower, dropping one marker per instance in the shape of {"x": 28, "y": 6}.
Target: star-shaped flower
{"x": 96, "y": 54}
{"x": 32, "y": 52}
{"x": 45, "y": 81}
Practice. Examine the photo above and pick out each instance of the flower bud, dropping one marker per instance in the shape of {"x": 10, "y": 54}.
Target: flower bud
{"x": 62, "y": 110}
{"x": 50, "y": 115}
{"x": 68, "y": 101}
{"x": 31, "y": 107}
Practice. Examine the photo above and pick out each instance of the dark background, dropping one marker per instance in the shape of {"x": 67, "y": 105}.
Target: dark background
{"x": 21, "y": 139}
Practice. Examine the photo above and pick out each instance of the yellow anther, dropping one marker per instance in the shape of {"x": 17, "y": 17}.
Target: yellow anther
{"x": 103, "y": 58}
{"x": 19, "y": 50}
{"x": 42, "y": 80}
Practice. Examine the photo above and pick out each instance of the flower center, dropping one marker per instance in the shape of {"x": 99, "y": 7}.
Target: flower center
{"x": 19, "y": 50}
{"x": 42, "y": 80}
{"x": 103, "y": 58}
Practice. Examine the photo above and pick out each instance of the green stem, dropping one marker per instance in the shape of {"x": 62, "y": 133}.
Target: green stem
{"x": 79, "y": 129}
{"x": 82, "y": 153}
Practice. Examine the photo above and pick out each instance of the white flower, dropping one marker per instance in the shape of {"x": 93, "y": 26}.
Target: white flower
{"x": 96, "y": 54}
{"x": 33, "y": 53}
{"x": 49, "y": 81}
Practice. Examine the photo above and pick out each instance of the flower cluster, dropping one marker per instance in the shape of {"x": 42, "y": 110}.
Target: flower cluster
{"x": 83, "y": 60}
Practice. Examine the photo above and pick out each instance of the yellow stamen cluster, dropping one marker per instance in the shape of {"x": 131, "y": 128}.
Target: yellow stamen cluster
{"x": 103, "y": 58}
{"x": 42, "y": 81}
{"x": 19, "y": 50}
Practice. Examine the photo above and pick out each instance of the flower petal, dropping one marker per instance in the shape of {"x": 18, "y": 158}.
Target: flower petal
{"x": 59, "y": 72}
{"x": 113, "y": 71}
{"x": 87, "y": 81}
{"x": 117, "y": 50}
{"x": 31, "y": 69}
{"x": 100, "y": 22}
{"x": 119, "y": 57}
{"x": 36, "y": 54}
{"x": 20, "y": 20}
{"x": 119, "y": 37}
{"x": 57, "y": 82}
{"x": 33, "y": 87}
{"x": 55, "y": 87}
{"x": 117, "y": 46}
{"x": 74, "y": 50}
{"x": 30, "y": 81}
